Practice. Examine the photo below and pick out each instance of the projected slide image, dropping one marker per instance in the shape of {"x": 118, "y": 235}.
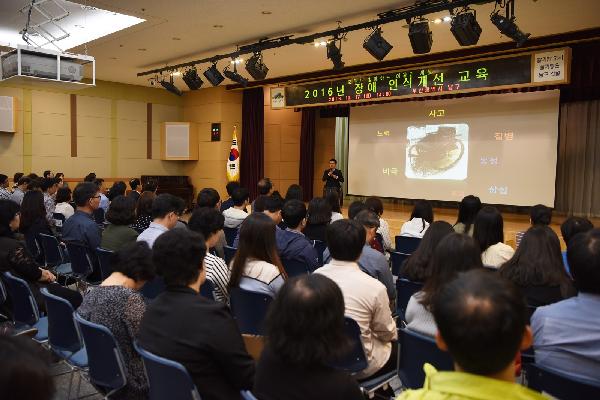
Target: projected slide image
{"x": 437, "y": 151}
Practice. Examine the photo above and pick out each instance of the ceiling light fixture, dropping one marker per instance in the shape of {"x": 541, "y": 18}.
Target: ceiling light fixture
{"x": 213, "y": 75}
{"x": 376, "y": 45}
{"x": 235, "y": 76}
{"x": 506, "y": 24}
{"x": 465, "y": 28}
{"x": 420, "y": 36}
{"x": 170, "y": 86}
{"x": 256, "y": 67}
{"x": 192, "y": 80}
{"x": 334, "y": 53}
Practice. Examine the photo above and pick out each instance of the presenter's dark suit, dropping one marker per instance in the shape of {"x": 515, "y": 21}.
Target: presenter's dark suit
{"x": 332, "y": 184}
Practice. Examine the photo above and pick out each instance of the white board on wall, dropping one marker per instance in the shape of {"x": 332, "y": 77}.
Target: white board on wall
{"x": 7, "y": 114}
{"x": 179, "y": 141}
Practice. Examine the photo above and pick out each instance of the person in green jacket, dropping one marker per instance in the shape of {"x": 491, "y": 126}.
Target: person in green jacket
{"x": 482, "y": 322}
{"x": 121, "y": 214}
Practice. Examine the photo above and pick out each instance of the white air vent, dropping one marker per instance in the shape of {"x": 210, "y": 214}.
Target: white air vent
{"x": 7, "y": 114}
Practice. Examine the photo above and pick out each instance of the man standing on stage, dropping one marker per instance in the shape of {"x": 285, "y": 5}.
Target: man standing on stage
{"x": 333, "y": 179}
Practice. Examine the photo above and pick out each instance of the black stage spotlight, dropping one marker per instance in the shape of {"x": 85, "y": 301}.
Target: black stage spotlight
{"x": 420, "y": 36}
{"x": 213, "y": 75}
{"x": 170, "y": 86}
{"x": 191, "y": 78}
{"x": 465, "y": 28}
{"x": 256, "y": 68}
{"x": 334, "y": 53}
{"x": 508, "y": 27}
{"x": 234, "y": 76}
{"x": 376, "y": 45}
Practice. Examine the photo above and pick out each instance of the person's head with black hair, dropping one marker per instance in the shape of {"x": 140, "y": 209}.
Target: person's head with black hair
{"x": 333, "y": 199}
{"x": 374, "y": 204}
{"x": 135, "y": 184}
{"x": 208, "y": 197}
{"x": 538, "y": 262}
{"x": 356, "y": 207}
{"x": 50, "y": 185}
{"x": 273, "y": 206}
{"x": 488, "y": 228}
{"x": 332, "y": 163}
{"x": 231, "y": 186}
{"x": 59, "y": 175}
{"x": 370, "y": 220}
{"x": 16, "y": 177}
{"x": 257, "y": 242}
{"x": 47, "y": 174}
{"x": 100, "y": 183}
{"x": 117, "y": 189}
{"x": 33, "y": 210}
{"x": 574, "y": 225}
{"x": 319, "y": 212}
{"x": 583, "y": 254}
{"x": 33, "y": 176}
{"x": 294, "y": 192}
{"x": 540, "y": 215}
{"x": 86, "y": 197}
{"x": 3, "y": 181}
{"x": 482, "y": 321}
{"x": 35, "y": 184}
{"x": 418, "y": 266}
{"x": 179, "y": 258}
{"x": 294, "y": 214}
{"x": 91, "y": 177}
{"x": 468, "y": 208}
{"x": 240, "y": 198}
{"x": 144, "y": 204}
{"x": 133, "y": 262}
{"x": 265, "y": 186}
{"x": 63, "y": 195}
{"x": 25, "y": 372}
{"x": 454, "y": 254}
{"x": 10, "y": 218}
{"x": 121, "y": 211}
{"x": 260, "y": 203}
{"x": 150, "y": 186}
{"x": 305, "y": 323}
{"x": 166, "y": 210}
{"x": 209, "y": 222}
{"x": 23, "y": 183}
{"x": 345, "y": 239}
{"x": 423, "y": 210}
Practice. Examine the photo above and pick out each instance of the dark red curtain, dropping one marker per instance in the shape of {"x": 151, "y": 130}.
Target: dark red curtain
{"x": 307, "y": 151}
{"x": 253, "y": 139}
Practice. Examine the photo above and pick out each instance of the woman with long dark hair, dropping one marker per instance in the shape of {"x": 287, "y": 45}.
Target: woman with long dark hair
{"x": 34, "y": 222}
{"x": 318, "y": 217}
{"x": 488, "y": 232}
{"x": 420, "y": 219}
{"x": 305, "y": 333}
{"x": 256, "y": 266}
{"x": 467, "y": 211}
{"x": 537, "y": 268}
{"x": 144, "y": 212}
{"x": 417, "y": 267}
{"x": 117, "y": 189}
{"x": 294, "y": 192}
{"x": 376, "y": 205}
{"x": 333, "y": 198}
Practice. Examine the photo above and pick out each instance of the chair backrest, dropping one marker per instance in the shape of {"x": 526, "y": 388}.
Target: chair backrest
{"x": 405, "y": 290}
{"x": 53, "y": 254}
{"x": 104, "y": 258}
{"x": 407, "y": 245}
{"x": 3, "y": 294}
{"x": 249, "y": 310}
{"x": 354, "y": 360}
{"x": 59, "y": 220}
{"x": 24, "y": 307}
{"x": 106, "y": 368}
{"x": 207, "y": 289}
{"x": 230, "y": 234}
{"x": 153, "y": 288}
{"x": 167, "y": 379}
{"x": 397, "y": 261}
{"x": 62, "y": 332}
{"x": 33, "y": 246}
{"x": 416, "y": 350}
{"x": 99, "y": 216}
{"x": 81, "y": 262}
{"x": 320, "y": 246}
{"x": 247, "y": 395}
{"x": 558, "y": 384}
{"x": 295, "y": 267}
{"x": 229, "y": 253}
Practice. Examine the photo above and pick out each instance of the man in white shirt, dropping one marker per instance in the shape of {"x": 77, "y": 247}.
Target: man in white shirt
{"x": 235, "y": 215}
{"x": 365, "y": 298}
{"x": 166, "y": 210}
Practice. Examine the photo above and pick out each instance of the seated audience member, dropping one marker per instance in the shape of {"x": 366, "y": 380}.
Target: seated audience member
{"x": 4, "y": 192}
{"x": 20, "y": 189}
{"x": 117, "y": 304}
{"x": 537, "y": 268}
{"x": 166, "y": 210}
{"x": 150, "y": 186}
{"x": 568, "y": 229}
{"x": 305, "y": 331}
{"x": 230, "y": 187}
{"x": 16, "y": 177}
{"x": 538, "y": 215}
{"x": 47, "y": 174}
{"x": 91, "y": 177}
{"x": 488, "y": 232}
{"x": 117, "y": 189}
{"x": 143, "y": 212}
{"x": 318, "y": 218}
{"x": 270, "y": 206}
{"x": 420, "y": 218}
{"x": 33, "y": 176}
{"x": 16, "y": 259}
{"x": 376, "y": 205}
{"x": 199, "y": 333}
{"x": 234, "y": 216}
{"x": 136, "y": 189}
{"x": 264, "y": 188}
{"x": 256, "y": 266}
{"x": 104, "y": 202}
{"x": 25, "y": 372}
{"x": 61, "y": 180}
{"x": 333, "y": 198}
{"x": 208, "y": 197}
{"x": 209, "y": 222}
{"x": 291, "y": 242}
{"x": 294, "y": 192}
{"x": 63, "y": 200}
{"x": 455, "y": 253}
{"x": 417, "y": 267}
{"x": 120, "y": 215}
{"x": 482, "y": 321}
{"x": 49, "y": 188}
{"x": 355, "y": 207}
{"x": 365, "y": 298}
{"x": 467, "y": 211}
{"x": 567, "y": 333}
{"x": 81, "y": 227}
{"x": 34, "y": 184}
{"x": 34, "y": 222}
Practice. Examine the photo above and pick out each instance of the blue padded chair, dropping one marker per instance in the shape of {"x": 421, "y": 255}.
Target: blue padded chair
{"x": 320, "y": 246}
{"x": 63, "y": 337}
{"x": 558, "y": 384}
{"x": 59, "y": 220}
{"x": 3, "y": 297}
{"x": 397, "y": 261}
{"x": 295, "y": 267}
{"x": 230, "y": 235}
{"x": 405, "y": 289}
{"x": 249, "y": 310}
{"x": 106, "y": 367}
{"x": 82, "y": 264}
{"x": 407, "y": 245}
{"x": 54, "y": 256}
{"x": 207, "y": 289}
{"x": 153, "y": 288}
{"x": 247, "y": 395}
{"x": 167, "y": 379}
{"x": 104, "y": 261}
{"x": 229, "y": 253}
{"x": 416, "y": 350}
{"x": 25, "y": 310}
